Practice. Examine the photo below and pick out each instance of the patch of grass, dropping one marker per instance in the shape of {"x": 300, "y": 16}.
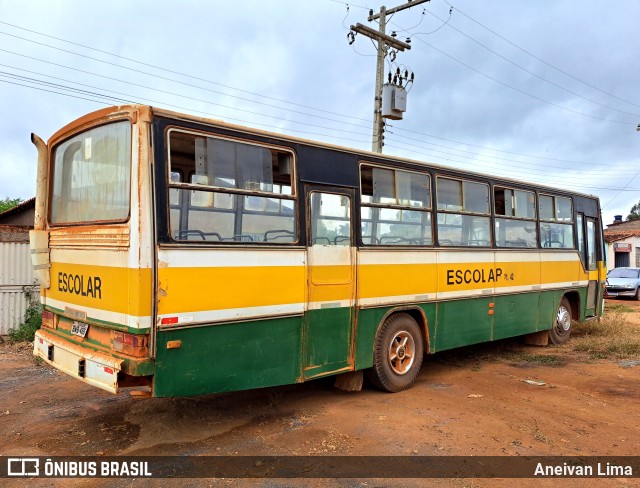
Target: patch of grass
{"x": 618, "y": 307}
{"x": 32, "y": 319}
{"x": 540, "y": 437}
{"x": 611, "y": 337}
{"x": 542, "y": 359}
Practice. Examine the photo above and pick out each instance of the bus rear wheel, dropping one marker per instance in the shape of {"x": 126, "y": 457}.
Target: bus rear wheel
{"x": 561, "y": 330}
{"x": 397, "y": 354}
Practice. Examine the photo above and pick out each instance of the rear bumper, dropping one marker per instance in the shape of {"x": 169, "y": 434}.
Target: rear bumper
{"x": 92, "y": 367}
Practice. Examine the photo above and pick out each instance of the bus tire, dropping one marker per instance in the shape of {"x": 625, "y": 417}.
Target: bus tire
{"x": 561, "y": 330}
{"x": 397, "y": 354}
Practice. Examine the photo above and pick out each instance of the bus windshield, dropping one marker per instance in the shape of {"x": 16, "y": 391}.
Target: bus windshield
{"x": 91, "y": 175}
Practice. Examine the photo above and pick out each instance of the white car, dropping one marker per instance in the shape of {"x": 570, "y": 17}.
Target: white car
{"x": 623, "y": 282}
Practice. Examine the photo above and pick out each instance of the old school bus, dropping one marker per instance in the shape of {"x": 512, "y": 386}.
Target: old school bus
{"x": 194, "y": 256}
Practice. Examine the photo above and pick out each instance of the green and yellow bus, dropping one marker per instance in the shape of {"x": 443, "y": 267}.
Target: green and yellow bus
{"x": 193, "y": 256}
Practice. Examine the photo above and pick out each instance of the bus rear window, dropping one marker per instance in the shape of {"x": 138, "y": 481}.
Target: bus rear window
{"x": 91, "y": 176}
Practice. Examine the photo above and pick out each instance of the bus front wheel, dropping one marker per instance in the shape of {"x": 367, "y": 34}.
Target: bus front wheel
{"x": 397, "y": 354}
{"x": 561, "y": 330}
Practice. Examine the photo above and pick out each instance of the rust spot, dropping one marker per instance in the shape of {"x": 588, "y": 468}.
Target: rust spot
{"x": 140, "y": 394}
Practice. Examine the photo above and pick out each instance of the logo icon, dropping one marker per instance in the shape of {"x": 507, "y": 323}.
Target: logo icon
{"x": 23, "y": 467}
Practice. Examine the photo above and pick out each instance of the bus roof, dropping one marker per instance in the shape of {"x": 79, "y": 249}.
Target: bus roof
{"x": 136, "y": 111}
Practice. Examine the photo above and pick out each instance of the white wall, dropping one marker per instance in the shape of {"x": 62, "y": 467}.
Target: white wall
{"x": 15, "y": 273}
{"x": 634, "y": 256}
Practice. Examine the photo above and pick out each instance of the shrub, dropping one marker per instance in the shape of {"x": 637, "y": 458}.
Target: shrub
{"x": 32, "y": 319}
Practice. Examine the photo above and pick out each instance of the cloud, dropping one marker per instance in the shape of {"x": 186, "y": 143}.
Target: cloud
{"x": 297, "y": 52}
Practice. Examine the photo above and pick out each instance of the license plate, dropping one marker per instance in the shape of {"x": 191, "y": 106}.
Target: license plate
{"x": 79, "y": 329}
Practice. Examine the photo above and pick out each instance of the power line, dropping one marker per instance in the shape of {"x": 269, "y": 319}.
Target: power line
{"x": 492, "y": 148}
{"x": 540, "y": 59}
{"x": 241, "y": 98}
{"x": 531, "y": 72}
{"x": 56, "y": 92}
{"x": 476, "y": 158}
{"x": 572, "y": 185}
{"x": 58, "y": 87}
{"x": 160, "y": 68}
{"x": 530, "y": 95}
{"x": 159, "y": 104}
{"x": 164, "y": 103}
{"x": 169, "y": 79}
{"x": 494, "y": 160}
{"x": 282, "y": 108}
{"x": 260, "y": 114}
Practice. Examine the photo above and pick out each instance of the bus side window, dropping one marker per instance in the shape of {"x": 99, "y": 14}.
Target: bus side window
{"x": 515, "y": 224}
{"x": 230, "y": 191}
{"x": 556, "y": 222}
{"x": 463, "y": 213}
{"x": 395, "y": 207}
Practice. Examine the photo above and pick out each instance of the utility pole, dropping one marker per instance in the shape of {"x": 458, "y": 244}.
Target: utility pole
{"x": 384, "y": 41}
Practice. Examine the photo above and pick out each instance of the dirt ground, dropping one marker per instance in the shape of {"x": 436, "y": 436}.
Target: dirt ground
{"x": 467, "y": 402}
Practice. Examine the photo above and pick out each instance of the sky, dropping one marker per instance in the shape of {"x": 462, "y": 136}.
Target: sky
{"x": 545, "y": 92}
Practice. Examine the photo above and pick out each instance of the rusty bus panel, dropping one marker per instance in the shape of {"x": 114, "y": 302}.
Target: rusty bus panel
{"x": 90, "y": 236}
{"x": 94, "y": 368}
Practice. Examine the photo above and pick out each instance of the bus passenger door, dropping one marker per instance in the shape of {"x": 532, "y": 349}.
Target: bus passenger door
{"x": 592, "y": 266}
{"x": 329, "y": 316}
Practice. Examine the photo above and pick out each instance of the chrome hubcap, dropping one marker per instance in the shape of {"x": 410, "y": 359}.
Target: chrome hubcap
{"x": 563, "y": 319}
{"x": 402, "y": 349}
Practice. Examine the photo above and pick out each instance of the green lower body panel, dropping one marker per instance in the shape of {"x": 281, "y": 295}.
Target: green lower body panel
{"x": 327, "y": 341}
{"x": 464, "y": 322}
{"x": 515, "y": 315}
{"x": 368, "y": 321}
{"x": 460, "y": 323}
{"x": 228, "y": 357}
{"x": 549, "y": 301}
{"x": 261, "y": 353}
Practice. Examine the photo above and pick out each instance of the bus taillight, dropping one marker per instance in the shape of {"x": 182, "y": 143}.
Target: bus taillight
{"x": 48, "y": 319}
{"x": 131, "y": 344}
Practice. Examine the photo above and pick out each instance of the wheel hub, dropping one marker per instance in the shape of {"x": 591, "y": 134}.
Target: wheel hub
{"x": 563, "y": 320}
{"x": 401, "y": 352}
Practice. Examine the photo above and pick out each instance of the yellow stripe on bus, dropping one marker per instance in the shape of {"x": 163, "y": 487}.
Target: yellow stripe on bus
{"x": 129, "y": 291}
{"x": 201, "y": 289}
{"x": 122, "y": 290}
{"x": 197, "y": 289}
{"x": 413, "y": 279}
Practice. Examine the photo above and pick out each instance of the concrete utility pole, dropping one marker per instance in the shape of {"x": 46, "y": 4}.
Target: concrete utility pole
{"x": 384, "y": 41}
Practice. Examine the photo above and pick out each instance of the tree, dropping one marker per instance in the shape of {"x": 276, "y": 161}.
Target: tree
{"x": 9, "y": 203}
{"x": 634, "y": 213}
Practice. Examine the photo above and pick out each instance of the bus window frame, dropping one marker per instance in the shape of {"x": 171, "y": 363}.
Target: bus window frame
{"x": 375, "y": 205}
{"x": 495, "y": 216}
{"x": 490, "y": 214}
{"x": 240, "y": 193}
{"x": 77, "y": 131}
{"x": 571, "y": 223}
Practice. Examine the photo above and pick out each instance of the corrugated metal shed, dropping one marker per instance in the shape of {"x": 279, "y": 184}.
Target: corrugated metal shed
{"x": 15, "y": 274}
